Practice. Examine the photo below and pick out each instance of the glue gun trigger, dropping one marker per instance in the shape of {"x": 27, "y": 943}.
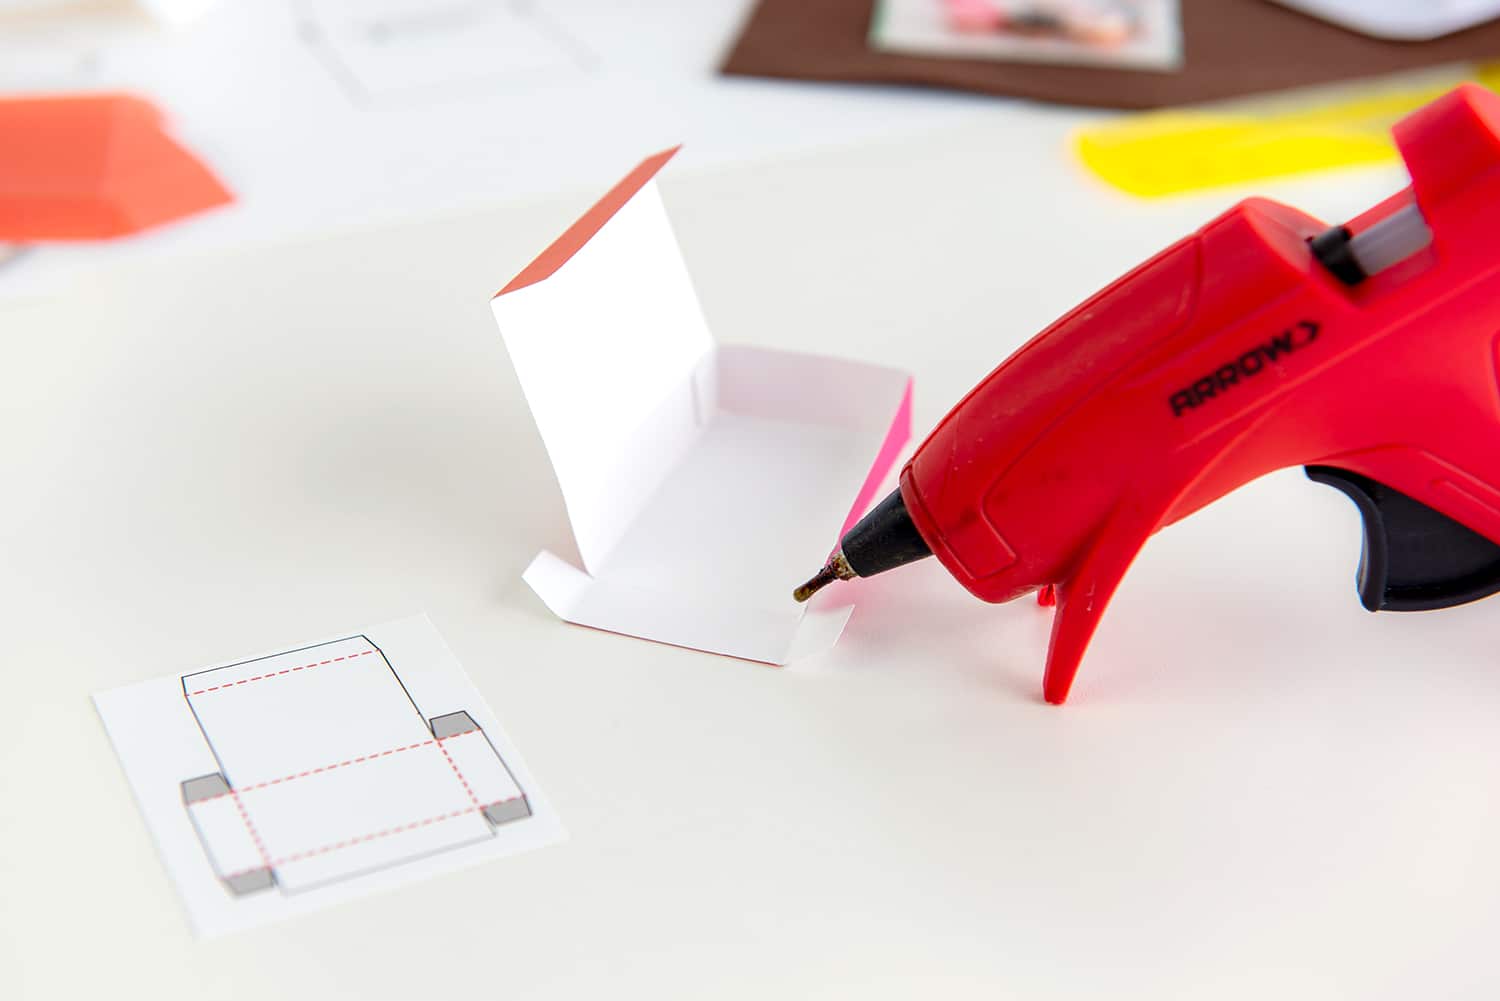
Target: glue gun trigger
{"x": 1414, "y": 558}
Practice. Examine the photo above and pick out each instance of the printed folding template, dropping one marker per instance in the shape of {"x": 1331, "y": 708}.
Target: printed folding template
{"x": 286, "y": 781}
{"x": 700, "y": 480}
{"x": 387, "y": 783}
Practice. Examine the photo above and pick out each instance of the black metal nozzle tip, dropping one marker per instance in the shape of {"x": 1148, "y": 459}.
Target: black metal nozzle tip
{"x": 837, "y": 568}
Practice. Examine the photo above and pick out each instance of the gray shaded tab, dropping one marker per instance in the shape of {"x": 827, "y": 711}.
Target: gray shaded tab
{"x": 511, "y": 809}
{"x": 204, "y": 787}
{"x": 452, "y": 724}
{"x": 242, "y": 883}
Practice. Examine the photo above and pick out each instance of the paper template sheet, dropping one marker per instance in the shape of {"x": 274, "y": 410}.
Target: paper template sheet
{"x": 282, "y": 783}
{"x": 387, "y": 48}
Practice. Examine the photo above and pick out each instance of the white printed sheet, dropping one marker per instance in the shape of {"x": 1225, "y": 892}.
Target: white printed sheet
{"x": 287, "y": 781}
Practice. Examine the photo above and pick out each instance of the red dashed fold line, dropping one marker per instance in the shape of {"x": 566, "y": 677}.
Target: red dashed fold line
{"x": 328, "y": 768}
{"x": 474, "y": 800}
{"x": 260, "y": 847}
{"x": 277, "y": 674}
{"x": 350, "y": 842}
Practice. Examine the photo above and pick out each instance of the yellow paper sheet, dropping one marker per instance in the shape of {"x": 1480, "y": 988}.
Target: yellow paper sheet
{"x": 1171, "y": 152}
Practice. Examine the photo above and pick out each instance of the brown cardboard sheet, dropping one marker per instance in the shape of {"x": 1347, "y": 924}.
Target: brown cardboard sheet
{"x": 1231, "y": 48}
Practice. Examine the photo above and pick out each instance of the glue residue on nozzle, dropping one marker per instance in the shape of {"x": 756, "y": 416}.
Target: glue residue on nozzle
{"x": 837, "y": 568}
{"x": 820, "y": 580}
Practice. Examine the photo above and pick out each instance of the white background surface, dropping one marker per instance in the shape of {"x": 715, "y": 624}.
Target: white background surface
{"x": 1258, "y": 789}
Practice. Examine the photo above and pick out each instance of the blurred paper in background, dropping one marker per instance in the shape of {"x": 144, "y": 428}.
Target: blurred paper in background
{"x": 1402, "y": 20}
{"x": 385, "y": 48}
{"x": 1151, "y": 35}
{"x": 94, "y": 168}
{"x": 327, "y": 114}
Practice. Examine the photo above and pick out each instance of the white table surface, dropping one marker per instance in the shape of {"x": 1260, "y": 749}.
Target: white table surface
{"x": 1258, "y": 790}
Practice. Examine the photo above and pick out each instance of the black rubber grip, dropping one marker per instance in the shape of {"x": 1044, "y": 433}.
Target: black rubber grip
{"x": 1414, "y": 558}
{"x": 884, "y": 539}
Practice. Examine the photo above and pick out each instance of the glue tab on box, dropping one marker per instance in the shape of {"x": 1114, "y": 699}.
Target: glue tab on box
{"x": 700, "y": 480}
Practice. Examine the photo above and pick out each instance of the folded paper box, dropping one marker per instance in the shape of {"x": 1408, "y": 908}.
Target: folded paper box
{"x": 702, "y": 482}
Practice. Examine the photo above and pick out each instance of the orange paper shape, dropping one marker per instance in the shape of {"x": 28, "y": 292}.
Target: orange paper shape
{"x": 94, "y": 167}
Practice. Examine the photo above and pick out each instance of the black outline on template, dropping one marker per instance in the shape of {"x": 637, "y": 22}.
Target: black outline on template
{"x": 426, "y": 724}
{"x": 313, "y": 31}
{"x": 273, "y": 656}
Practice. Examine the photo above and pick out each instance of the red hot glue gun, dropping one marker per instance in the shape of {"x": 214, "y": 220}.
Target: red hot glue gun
{"x": 1266, "y": 339}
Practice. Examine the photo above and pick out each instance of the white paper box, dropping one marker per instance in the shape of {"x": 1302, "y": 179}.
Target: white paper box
{"x": 702, "y": 482}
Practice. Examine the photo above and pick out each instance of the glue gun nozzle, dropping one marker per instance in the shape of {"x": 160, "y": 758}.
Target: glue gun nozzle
{"x": 837, "y": 568}
{"x": 819, "y": 581}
